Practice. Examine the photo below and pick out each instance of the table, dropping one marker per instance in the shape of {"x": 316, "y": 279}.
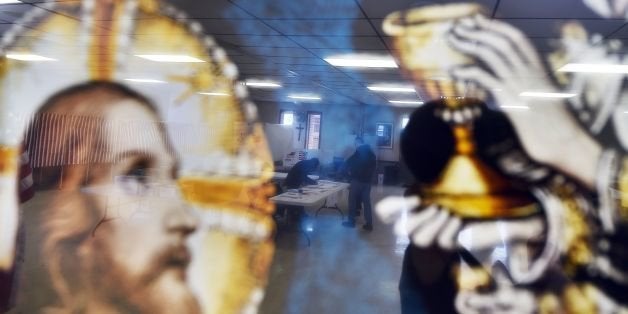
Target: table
{"x": 311, "y": 195}
{"x": 283, "y": 175}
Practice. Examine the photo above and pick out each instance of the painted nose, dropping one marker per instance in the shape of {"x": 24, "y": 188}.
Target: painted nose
{"x": 182, "y": 220}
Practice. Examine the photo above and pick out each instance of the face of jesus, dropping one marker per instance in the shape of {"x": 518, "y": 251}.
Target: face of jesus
{"x": 144, "y": 256}
{"x": 132, "y": 257}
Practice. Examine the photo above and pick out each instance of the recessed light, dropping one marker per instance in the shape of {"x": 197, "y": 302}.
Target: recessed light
{"x": 595, "y": 68}
{"x": 171, "y": 58}
{"x": 215, "y": 94}
{"x": 392, "y": 88}
{"x": 406, "y": 102}
{"x": 262, "y": 84}
{"x": 304, "y": 97}
{"x": 547, "y": 95}
{"x": 362, "y": 61}
{"x": 9, "y": 1}
{"x": 514, "y": 107}
{"x": 28, "y": 57}
{"x": 141, "y": 80}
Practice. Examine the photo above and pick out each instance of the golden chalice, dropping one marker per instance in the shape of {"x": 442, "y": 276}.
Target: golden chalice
{"x": 419, "y": 37}
{"x": 467, "y": 186}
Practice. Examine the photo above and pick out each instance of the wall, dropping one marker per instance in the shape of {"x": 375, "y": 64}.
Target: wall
{"x": 340, "y": 124}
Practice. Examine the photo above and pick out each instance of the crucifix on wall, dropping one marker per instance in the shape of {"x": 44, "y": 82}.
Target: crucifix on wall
{"x": 300, "y": 128}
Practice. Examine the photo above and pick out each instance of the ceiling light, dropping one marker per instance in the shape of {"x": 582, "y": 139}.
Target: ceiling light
{"x": 262, "y": 84}
{"x": 9, "y": 1}
{"x": 547, "y": 95}
{"x": 362, "y": 61}
{"x": 28, "y": 57}
{"x": 514, "y": 107}
{"x": 215, "y": 94}
{"x": 170, "y": 58}
{"x": 595, "y": 68}
{"x": 138, "y": 80}
{"x": 406, "y": 102}
{"x": 305, "y": 97}
{"x": 391, "y": 88}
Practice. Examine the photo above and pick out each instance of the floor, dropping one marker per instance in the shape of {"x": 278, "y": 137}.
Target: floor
{"x": 343, "y": 270}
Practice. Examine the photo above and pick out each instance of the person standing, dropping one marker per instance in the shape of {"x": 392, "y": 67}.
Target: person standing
{"x": 360, "y": 167}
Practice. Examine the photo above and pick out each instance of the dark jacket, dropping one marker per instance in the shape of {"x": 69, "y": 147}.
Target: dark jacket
{"x": 361, "y": 165}
{"x": 297, "y": 176}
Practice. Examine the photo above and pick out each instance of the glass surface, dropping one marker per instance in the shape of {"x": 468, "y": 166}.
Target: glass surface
{"x": 323, "y": 156}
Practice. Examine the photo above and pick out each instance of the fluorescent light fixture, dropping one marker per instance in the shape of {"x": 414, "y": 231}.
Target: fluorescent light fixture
{"x": 140, "y": 80}
{"x": 547, "y": 95}
{"x": 215, "y": 94}
{"x": 304, "y": 97}
{"x": 391, "y": 88}
{"x": 170, "y": 58}
{"x": 406, "y": 102}
{"x": 9, "y": 1}
{"x": 262, "y": 84}
{"x": 28, "y": 57}
{"x": 514, "y": 107}
{"x": 362, "y": 61}
{"x": 595, "y": 68}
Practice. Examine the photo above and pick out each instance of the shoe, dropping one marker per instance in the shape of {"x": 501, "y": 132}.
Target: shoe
{"x": 368, "y": 227}
{"x": 349, "y": 224}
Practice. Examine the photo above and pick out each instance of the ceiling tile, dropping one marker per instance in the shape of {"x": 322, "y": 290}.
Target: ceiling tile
{"x": 333, "y": 27}
{"x": 290, "y": 9}
{"x": 257, "y": 40}
{"x": 236, "y": 27}
{"x": 11, "y": 12}
{"x": 312, "y": 68}
{"x": 243, "y": 59}
{"x": 326, "y": 52}
{"x": 380, "y": 76}
{"x": 211, "y": 9}
{"x": 621, "y": 33}
{"x": 565, "y": 9}
{"x": 340, "y": 42}
{"x": 291, "y": 60}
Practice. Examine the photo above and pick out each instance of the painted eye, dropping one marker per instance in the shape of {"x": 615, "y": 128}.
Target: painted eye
{"x": 139, "y": 171}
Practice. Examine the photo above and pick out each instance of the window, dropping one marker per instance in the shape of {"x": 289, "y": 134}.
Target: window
{"x": 287, "y": 118}
{"x": 404, "y": 122}
{"x": 313, "y": 140}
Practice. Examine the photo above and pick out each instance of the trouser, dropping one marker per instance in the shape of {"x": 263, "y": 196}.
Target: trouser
{"x": 360, "y": 193}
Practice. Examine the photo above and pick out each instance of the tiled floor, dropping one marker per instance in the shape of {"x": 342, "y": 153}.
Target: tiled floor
{"x": 342, "y": 271}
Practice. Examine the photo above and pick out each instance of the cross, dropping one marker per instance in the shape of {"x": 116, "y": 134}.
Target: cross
{"x": 300, "y": 128}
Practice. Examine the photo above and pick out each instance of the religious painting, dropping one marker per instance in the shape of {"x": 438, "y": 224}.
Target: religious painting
{"x": 519, "y": 204}
{"x": 150, "y": 198}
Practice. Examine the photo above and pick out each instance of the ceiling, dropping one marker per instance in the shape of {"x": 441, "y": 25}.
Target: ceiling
{"x": 286, "y": 40}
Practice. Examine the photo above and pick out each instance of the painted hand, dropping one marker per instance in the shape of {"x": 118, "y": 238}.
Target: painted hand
{"x": 509, "y": 68}
{"x": 608, "y": 9}
{"x": 425, "y": 227}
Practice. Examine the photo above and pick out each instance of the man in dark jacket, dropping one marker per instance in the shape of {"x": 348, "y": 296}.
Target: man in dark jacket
{"x": 297, "y": 176}
{"x": 360, "y": 167}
